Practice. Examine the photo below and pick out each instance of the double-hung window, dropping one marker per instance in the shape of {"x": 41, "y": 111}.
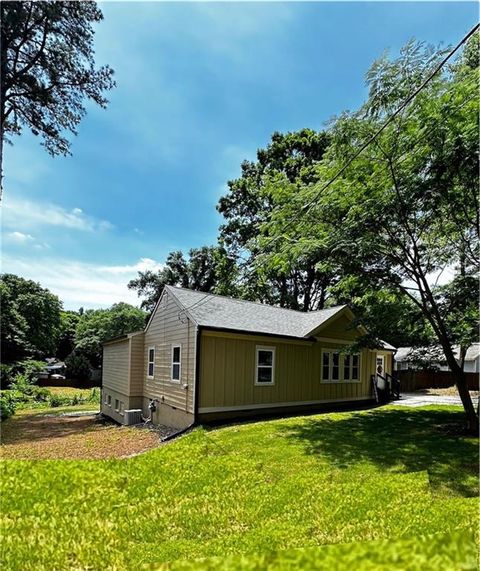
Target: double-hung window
{"x": 330, "y": 366}
{"x": 355, "y": 367}
{"x": 151, "y": 362}
{"x": 351, "y": 367}
{"x": 337, "y": 367}
{"x": 176, "y": 362}
{"x": 265, "y": 366}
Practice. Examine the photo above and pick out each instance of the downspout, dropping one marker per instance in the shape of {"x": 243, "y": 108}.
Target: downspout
{"x": 197, "y": 374}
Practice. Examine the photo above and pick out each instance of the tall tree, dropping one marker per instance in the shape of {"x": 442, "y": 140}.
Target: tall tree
{"x": 95, "y": 326}
{"x": 272, "y": 181}
{"x": 405, "y": 213}
{"x": 207, "y": 269}
{"x": 66, "y": 337}
{"x": 48, "y": 69}
{"x": 30, "y": 319}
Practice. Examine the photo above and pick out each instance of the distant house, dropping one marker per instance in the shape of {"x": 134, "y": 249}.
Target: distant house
{"x": 203, "y": 357}
{"x": 409, "y": 358}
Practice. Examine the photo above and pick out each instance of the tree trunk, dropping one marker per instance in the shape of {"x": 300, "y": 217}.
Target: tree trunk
{"x": 462, "y": 387}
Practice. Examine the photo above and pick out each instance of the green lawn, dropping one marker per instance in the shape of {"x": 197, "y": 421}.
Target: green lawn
{"x": 267, "y": 488}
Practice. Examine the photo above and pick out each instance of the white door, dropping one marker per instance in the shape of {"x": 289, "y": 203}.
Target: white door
{"x": 380, "y": 371}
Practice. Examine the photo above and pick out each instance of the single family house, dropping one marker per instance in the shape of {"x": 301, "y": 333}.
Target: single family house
{"x": 204, "y": 357}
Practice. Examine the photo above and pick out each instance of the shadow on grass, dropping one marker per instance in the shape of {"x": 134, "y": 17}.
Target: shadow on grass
{"x": 406, "y": 440}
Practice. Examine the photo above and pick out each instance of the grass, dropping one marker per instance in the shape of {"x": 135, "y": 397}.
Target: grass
{"x": 453, "y": 551}
{"x": 281, "y": 489}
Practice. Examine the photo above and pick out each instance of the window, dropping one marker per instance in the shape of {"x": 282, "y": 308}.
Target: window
{"x": 337, "y": 367}
{"x": 265, "y": 366}
{"x": 117, "y": 405}
{"x": 120, "y": 409}
{"x": 325, "y": 366}
{"x": 109, "y": 400}
{"x": 346, "y": 367}
{"x": 151, "y": 362}
{"x": 176, "y": 365}
{"x": 351, "y": 367}
{"x": 355, "y": 367}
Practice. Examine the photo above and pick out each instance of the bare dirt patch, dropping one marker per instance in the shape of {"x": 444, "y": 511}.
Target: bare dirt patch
{"x": 42, "y": 436}
{"x": 448, "y": 392}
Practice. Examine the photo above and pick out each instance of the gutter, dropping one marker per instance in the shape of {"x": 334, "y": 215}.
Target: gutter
{"x": 259, "y": 333}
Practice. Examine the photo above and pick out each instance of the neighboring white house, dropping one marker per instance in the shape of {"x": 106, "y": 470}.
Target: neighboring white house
{"x": 410, "y": 357}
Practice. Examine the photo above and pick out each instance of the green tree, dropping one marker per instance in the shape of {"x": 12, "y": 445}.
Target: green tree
{"x": 66, "y": 337}
{"x": 385, "y": 312}
{"x": 95, "y": 326}
{"x": 273, "y": 181}
{"x": 30, "y": 319}
{"x": 405, "y": 212}
{"x": 48, "y": 69}
{"x": 207, "y": 269}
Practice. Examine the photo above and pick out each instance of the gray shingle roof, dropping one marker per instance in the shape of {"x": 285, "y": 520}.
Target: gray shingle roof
{"x": 217, "y": 311}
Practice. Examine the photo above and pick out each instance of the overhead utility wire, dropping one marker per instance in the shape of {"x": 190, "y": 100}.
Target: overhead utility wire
{"x": 409, "y": 99}
{"x": 307, "y": 206}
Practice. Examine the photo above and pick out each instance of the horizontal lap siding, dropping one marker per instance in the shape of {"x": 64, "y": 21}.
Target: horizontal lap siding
{"x": 136, "y": 365}
{"x": 170, "y": 326}
{"x": 227, "y": 373}
{"x": 115, "y": 366}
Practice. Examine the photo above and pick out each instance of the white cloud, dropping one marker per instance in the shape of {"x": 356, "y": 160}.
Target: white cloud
{"x": 19, "y": 237}
{"x": 81, "y": 284}
{"x": 27, "y": 214}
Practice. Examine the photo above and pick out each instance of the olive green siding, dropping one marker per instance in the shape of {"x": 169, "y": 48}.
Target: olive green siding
{"x": 170, "y": 326}
{"x": 227, "y": 373}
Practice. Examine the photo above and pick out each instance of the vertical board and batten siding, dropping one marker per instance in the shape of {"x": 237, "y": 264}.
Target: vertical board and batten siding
{"x": 116, "y": 366}
{"x": 227, "y": 370}
{"x": 170, "y": 326}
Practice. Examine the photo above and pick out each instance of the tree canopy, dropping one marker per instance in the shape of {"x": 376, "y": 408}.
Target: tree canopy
{"x": 30, "y": 319}
{"x": 95, "y": 326}
{"x": 405, "y": 212}
{"x": 207, "y": 269}
{"x": 48, "y": 69}
{"x": 289, "y": 159}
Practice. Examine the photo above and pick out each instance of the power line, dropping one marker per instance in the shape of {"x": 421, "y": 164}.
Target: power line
{"x": 306, "y": 207}
{"x": 409, "y": 99}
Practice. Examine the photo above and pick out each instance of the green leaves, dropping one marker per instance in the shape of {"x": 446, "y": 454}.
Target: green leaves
{"x": 48, "y": 69}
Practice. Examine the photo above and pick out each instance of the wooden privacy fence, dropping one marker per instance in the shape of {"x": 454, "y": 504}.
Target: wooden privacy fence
{"x": 415, "y": 380}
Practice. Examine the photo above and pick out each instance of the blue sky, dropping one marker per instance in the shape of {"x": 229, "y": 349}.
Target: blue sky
{"x": 200, "y": 86}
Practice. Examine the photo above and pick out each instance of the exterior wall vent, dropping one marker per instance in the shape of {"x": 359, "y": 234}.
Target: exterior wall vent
{"x": 133, "y": 416}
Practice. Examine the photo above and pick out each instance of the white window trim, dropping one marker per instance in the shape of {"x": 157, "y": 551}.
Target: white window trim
{"x": 259, "y": 348}
{"x": 179, "y": 363}
{"x": 148, "y": 362}
{"x": 341, "y": 363}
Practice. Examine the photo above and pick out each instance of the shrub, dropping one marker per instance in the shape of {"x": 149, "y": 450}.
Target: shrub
{"x": 6, "y": 376}
{"x": 94, "y": 396}
{"x": 29, "y": 368}
{"x": 7, "y": 404}
{"x": 78, "y": 366}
